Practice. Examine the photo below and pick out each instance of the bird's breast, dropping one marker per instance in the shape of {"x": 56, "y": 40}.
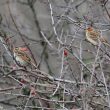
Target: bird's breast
{"x": 19, "y": 60}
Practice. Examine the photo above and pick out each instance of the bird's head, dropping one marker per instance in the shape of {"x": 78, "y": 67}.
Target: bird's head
{"x": 16, "y": 49}
{"x": 90, "y": 29}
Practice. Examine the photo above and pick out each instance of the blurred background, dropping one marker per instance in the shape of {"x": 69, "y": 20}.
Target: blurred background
{"x": 69, "y": 72}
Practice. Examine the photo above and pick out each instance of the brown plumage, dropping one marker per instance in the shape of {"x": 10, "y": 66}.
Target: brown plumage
{"x": 93, "y": 36}
{"x": 21, "y": 57}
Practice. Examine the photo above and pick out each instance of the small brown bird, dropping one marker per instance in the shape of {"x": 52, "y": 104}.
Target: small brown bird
{"x": 93, "y": 36}
{"x": 22, "y": 57}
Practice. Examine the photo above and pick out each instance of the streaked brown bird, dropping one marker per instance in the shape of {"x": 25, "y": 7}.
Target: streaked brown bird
{"x": 94, "y": 37}
{"x": 22, "y": 58}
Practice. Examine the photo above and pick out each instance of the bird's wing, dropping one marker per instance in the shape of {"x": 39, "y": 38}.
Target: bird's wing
{"x": 94, "y": 35}
{"x": 24, "y": 56}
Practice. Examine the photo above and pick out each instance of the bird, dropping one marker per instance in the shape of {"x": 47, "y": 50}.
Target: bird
{"x": 94, "y": 36}
{"x": 22, "y": 58}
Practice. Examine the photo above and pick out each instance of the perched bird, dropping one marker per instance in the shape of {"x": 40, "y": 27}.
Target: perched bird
{"x": 94, "y": 37}
{"x": 22, "y": 58}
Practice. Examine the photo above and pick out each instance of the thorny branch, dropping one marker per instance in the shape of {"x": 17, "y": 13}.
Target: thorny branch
{"x": 77, "y": 72}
